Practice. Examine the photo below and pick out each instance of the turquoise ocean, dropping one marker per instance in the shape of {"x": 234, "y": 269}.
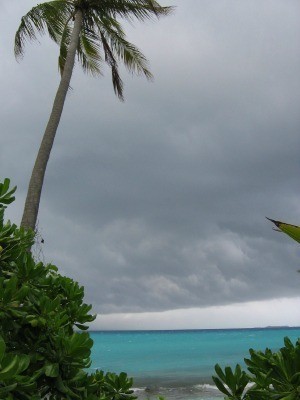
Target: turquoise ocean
{"x": 179, "y": 364}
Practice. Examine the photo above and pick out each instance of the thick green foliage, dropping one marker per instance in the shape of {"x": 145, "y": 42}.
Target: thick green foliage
{"x": 272, "y": 375}
{"x": 41, "y": 354}
{"x": 235, "y": 381}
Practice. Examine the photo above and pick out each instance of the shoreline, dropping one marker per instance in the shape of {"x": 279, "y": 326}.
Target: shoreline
{"x": 195, "y": 392}
{"x": 172, "y": 381}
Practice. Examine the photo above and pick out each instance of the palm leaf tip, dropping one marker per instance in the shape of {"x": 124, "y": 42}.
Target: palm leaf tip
{"x": 274, "y": 221}
{"x": 19, "y": 41}
{"x": 168, "y": 10}
{"x": 49, "y": 16}
{"x": 26, "y": 31}
{"x": 157, "y": 9}
{"x": 141, "y": 10}
{"x": 162, "y": 11}
{"x": 291, "y": 230}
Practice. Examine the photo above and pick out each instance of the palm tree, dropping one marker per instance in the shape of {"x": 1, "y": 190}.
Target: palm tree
{"x": 90, "y": 29}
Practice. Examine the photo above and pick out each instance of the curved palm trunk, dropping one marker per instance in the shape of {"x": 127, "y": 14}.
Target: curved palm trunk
{"x": 37, "y": 177}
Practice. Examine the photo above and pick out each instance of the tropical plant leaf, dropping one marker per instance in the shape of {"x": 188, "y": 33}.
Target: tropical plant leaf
{"x": 291, "y": 230}
{"x": 6, "y": 194}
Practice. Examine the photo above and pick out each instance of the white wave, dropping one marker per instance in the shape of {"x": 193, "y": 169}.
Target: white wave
{"x": 139, "y": 389}
{"x": 206, "y": 386}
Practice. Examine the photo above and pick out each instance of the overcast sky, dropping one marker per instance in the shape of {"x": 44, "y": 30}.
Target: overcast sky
{"x": 157, "y": 205}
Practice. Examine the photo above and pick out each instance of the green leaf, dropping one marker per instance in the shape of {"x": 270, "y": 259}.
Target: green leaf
{"x": 10, "y": 367}
{"x": 230, "y": 379}
{"x": 2, "y": 348}
{"x": 52, "y": 370}
{"x": 82, "y": 327}
{"x": 60, "y": 385}
{"x": 291, "y": 230}
{"x": 5, "y": 195}
{"x": 220, "y": 386}
{"x": 23, "y": 362}
{"x": 220, "y": 372}
{"x": 7, "y": 389}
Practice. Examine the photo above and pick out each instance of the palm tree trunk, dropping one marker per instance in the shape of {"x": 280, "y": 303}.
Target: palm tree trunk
{"x": 31, "y": 207}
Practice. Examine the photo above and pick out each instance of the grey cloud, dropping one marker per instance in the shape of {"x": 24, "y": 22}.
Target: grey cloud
{"x": 160, "y": 203}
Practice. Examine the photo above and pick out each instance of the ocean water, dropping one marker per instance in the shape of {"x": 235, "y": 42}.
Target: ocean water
{"x": 179, "y": 364}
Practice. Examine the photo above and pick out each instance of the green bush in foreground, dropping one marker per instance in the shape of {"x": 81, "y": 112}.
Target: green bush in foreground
{"x": 41, "y": 354}
{"x": 273, "y": 375}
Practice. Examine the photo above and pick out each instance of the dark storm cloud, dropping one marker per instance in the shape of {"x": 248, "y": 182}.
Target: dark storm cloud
{"x": 160, "y": 203}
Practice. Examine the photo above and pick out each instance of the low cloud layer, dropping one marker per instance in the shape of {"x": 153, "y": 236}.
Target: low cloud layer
{"x": 160, "y": 203}
{"x": 241, "y": 315}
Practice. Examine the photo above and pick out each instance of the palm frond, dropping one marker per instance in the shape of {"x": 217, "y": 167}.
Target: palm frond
{"x": 131, "y": 9}
{"x": 64, "y": 44}
{"x": 112, "y": 62}
{"x": 130, "y": 55}
{"x": 89, "y": 52}
{"x": 100, "y": 31}
{"x": 49, "y": 16}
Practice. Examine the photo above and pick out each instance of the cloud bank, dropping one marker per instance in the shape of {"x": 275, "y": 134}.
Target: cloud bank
{"x": 159, "y": 203}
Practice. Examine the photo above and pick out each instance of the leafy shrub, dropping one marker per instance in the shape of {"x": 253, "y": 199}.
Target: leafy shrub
{"x": 273, "y": 375}
{"x": 44, "y": 351}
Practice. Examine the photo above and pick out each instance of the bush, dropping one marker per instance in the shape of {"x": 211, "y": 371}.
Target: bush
{"x": 273, "y": 375}
{"x": 44, "y": 351}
